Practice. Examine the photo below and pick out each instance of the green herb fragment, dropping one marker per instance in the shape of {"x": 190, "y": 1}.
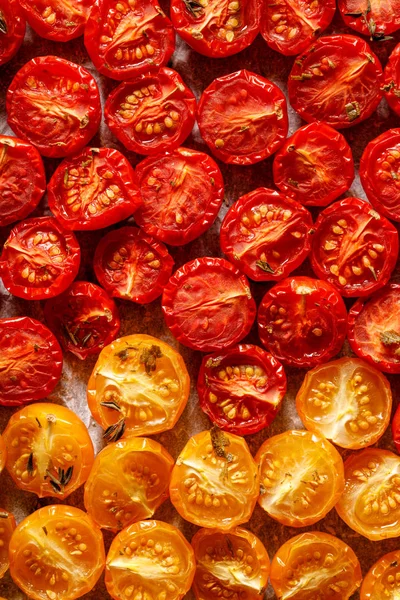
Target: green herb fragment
{"x": 265, "y": 266}
{"x": 148, "y": 358}
{"x": 115, "y": 432}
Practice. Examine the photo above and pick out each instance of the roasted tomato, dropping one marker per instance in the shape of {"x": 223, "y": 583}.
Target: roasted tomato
{"x": 243, "y": 118}
{"x": 93, "y": 189}
{"x": 132, "y": 265}
{"x": 315, "y": 566}
{"x": 382, "y": 580}
{"x": 337, "y": 80}
{"x": 49, "y": 450}
{"x": 83, "y": 318}
{"x": 30, "y": 361}
{"x": 391, "y": 85}
{"x": 7, "y": 526}
{"x": 54, "y": 104}
{"x": 302, "y": 321}
{"x": 217, "y": 29}
{"x": 55, "y": 20}
{"x": 150, "y": 558}
{"x": 290, "y": 26}
{"x": 346, "y": 401}
{"x": 354, "y": 247}
{"x": 266, "y": 235}
{"x": 182, "y": 192}
{"x": 315, "y": 165}
{"x": 3, "y": 454}
{"x": 12, "y": 29}
{"x": 395, "y": 429}
{"x": 39, "y": 259}
{"x": 57, "y": 552}
{"x": 215, "y": 481}
{"x": 128, "y": 482}
{"x": 371, "y": 17}
{"x": 208, "y": 305}
{"x": 127, "y": 38}
{"x": 234, "y": 563}
{"x": 139, "y": 386}
{"x": 241, "y": 389}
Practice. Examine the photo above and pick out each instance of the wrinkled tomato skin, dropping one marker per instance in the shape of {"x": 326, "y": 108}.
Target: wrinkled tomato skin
{"x": 13, "y": 22}
{"x": 167, "y": 192}
{"x": 8, "y": 525}
{"x": 312, "y": 90}
{"x": 381, "y": 581}
{"x": 314, "y": 166}
{"x": 279, "y": 228}
{"x": 225, "y": 101}
{"x": 55, "y": 24}
{"x": 303, "y": 24}
{"x": 338, "y": 229}
{"x": 44, "y": 80}
{"x": 27, "y": 340}
{"x": 391, "y": 80}
{"x": 106, "y": 190}
{"x": 198, "y": 27}
{"x": 22, "y": 179}
{"x": 383, "y": 17}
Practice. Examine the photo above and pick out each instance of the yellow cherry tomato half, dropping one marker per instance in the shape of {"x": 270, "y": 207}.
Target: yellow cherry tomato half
{"x": 382, "y": 582}
{"x": 7, "y": 526}
{"x": 3, "y": 454}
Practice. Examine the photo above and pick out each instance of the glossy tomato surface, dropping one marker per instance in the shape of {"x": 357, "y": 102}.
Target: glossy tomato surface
{"x": 55, "y": 20}
{"x": 302, "y": 321}
{"x": 241, "y": 389}
{"x": 375, "y": 17}
{"x": 182, "y": 192}
{"x": 7, "y": 526}
{"x": 208, "y": 305}
{"x": 391, "y": 78}
{"x": 12, "y": 29}
{"x": 336, "y": 80}
{"x": 396, "y": 429}
{"x": 40, "y": 259}
{"x": 3, "y": 453}
{"x": 54, "y": 104}
{"x": 243, "y": 117}
{"x": 31, "y": 361}
{"x": 382, "y": 580}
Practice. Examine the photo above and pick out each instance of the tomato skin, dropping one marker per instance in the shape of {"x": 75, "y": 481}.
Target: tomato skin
{"x": 12, "y": 29}
{"x": 7, "y": 526}
{"x": 314, "y": 166}
{"x": 3, "y": 454}
{"x": 225, "y": 101}
{"x": 396, "y": 429}
{"x": 41, "y": 361}
{"x": 40, "y": 82}
{"x": 391, "y": 80}
{"x": 381, "y": 19}
{"x": 382, "y": 578}
{"x": 57, "y": 24}
{"x": 160, "y": 179}
{"x": 257, "y": 225}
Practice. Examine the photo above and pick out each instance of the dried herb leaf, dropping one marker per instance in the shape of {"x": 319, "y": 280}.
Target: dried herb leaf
{"x": 194, "y": 7}
{"x": 44, "y": 530}
{"x": 230, "y": 546}
{"x": 39, "y": 423}
{"x": 111, "y": 404}
{"x": 219, "y": 442}
{"x": 353, "y": 110}
{"x": 84, "y": 122}
{"x": 390, "y": 338}
{"x": 148, "y": 358}
{"x": 3, "y": 24}
{"x": 29, "y": 466}
{"x": 115, "y": 432}
{"x": 70, "y": 335}
{"x": 265, "y": 266}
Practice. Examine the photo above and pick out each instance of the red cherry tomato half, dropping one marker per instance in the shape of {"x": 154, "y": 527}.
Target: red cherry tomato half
{"x": 58, "y": 21}
{"x": 12, "y": 29}
{"x": 129, "y": 38}
{"x": 22, "y": 179}
{"x": 217, "y": 29}
{"x": 354, "y": 247}
{"x": 39, "y": 259}
{"x": 93, "y": 189}
{"x": 266, "y": 235}
{"x": 54, "y": 104}
{"x": 31, "y": 361}
{"x": 396, "y": 429}
{"x": 83, "y": 318}
{"x": 374, "y": 17}
{"x": 337, "y": 80}
{"x": 182, "y": 192}
{"x": 132, "y": 265}
{"x": 302, "y": 321}
{"x": 243, "y": 118}
{"x": 208, "y": 305}
{"x": 314, "y": 166}
{"x": 391, "y": 85}
{"x": 241, "y": 389}
{"x": 290, "y": 26}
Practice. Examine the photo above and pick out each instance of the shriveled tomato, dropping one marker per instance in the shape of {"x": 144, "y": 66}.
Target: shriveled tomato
{"x": 208, "y": 305}
{"x": 132, "y": 265}
{"x": 182, "y": 192}
{"x": 336, "y": 80}
{"x": 57, "y": 552}
{"x": 346, "y": 401}
{"x": 50, "y": 452}
{"x": 241, "y": 389}
{"x": 7, "y": 526}
{"x": 266, "y": 235}
{"x": 315, "y": 566}
{"x": 243, "y": 118}
{"x": 315, "y": 165}
{"x": 391, "y": 80}
{"x": 290, "y": 26}
{"x": 30, "y": 361}
{"x": 54, "y": 104}
{"x": 354, "y": 247}
{"x": 217, "y": 29}
{"x": 93, "y": 189}
{"x": 55, "y": 20}
{"x": 39, "y": 259}
{"x": 128, "y": 38}
{"x": 383, "y": 579}
{"x": 232, "y": 564}
{"x": 371, "y": 17}
{"x": 128, "y": 482}
{"x": 215, "y": 481}
{"x": 139, "y": 386}
{"x": 3, "y": 454}
{"x": 151, "y": 558}
{"x": 12, "y": 29}
{"x": 302, "y": 321}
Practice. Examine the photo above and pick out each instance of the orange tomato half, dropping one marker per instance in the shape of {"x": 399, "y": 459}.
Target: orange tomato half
{"x": 382, "y": 582}
{"x": 3, "y": 454}
{"x": 7, "y": 526}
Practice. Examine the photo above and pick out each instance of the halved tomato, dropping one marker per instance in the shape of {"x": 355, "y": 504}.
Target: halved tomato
{"x": 383, "y": 578}
{"x": 3, "y": 453}
{"x": 12, "y": 29}
{"x": 391, "y": 80}
{"x": 371, "y": 17}
{"x": 396, "y": 429}
{"x": 7, "y": 526}
{"x": 55, "y": 20}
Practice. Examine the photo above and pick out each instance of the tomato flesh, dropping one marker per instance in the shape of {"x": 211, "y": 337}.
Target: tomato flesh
{"x": 391, "y": 86}
{"x": 55, "y": 20}
{"x": 373, "y": 17}
{"x": 382, "y": 580}
{"x": 7, "y": 526}
{"x": 12, "y": 29}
